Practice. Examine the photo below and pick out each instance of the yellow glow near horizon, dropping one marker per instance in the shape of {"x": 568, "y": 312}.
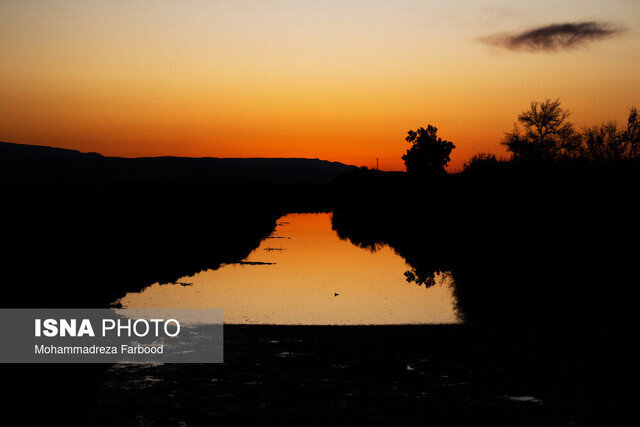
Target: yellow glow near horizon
{"x": 341, "y": 81}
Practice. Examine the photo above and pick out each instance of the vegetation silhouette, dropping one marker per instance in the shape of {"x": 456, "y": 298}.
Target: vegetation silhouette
{"x": 610, "y": 145}
{"x": 547, "y": 136}
{"x": 428, "y": 155}
{"x": 536, "y": 238}
{"x": 546, "y": 133}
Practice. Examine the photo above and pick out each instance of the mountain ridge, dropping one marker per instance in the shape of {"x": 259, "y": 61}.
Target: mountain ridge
{"x": 32, "y": 161}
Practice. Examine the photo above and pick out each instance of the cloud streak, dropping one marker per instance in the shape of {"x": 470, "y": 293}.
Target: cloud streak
{"x": 554, "y": 37}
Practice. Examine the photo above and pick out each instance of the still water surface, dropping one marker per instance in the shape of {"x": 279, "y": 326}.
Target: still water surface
{"x": 293, "y": 278}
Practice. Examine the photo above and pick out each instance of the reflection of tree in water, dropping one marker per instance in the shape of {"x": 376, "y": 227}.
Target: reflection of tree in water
{"x": 540, "y": 237}
{"x": 424, "y": 271}
{"x": 508, "y": 259}
{"x": 428, "y": 278}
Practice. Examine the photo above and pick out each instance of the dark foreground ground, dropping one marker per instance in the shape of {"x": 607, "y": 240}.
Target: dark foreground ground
{"x": 427, "y": 375}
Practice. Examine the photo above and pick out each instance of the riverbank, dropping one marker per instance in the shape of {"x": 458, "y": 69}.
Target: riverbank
{"x": 520, "y": 244}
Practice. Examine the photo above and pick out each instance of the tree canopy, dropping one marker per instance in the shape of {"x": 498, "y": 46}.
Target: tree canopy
{"x": 428, "y": 155}
{"x": 542, "y": 132}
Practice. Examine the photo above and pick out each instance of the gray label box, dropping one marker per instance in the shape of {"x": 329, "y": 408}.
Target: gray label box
{"x": 111, "y": 336}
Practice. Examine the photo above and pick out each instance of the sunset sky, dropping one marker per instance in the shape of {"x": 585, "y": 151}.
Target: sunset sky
{"x": 339, "y": 80}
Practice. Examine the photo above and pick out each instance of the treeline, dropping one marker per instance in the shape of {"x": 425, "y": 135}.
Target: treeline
{"x": 544, "y": 236}
{"x": 543, "y": 135}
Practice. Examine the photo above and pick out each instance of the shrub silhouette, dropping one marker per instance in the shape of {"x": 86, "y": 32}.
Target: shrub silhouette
{"x": 428, "y": 155}
{"x": 482, "y": 163}
{"x": 609, "y": 144}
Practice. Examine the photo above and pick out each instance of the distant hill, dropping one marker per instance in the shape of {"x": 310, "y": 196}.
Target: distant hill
{"x": 21, "y": 161}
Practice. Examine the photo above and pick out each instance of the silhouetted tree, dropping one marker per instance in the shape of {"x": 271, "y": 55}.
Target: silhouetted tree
{"x": 632, "y": 133}
{"x": 427, "y": 276}
{"x": 608, "y": 143}
{"x": 545, "y": 134}
{"x": 428, "y": 155}
{"x": 603, "y": 143}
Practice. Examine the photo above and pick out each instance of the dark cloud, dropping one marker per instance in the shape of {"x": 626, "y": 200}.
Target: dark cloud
{"x": 553, "y": 37}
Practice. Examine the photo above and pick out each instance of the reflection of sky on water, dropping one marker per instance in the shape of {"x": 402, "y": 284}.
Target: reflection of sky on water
{"x": 293, "y": 278}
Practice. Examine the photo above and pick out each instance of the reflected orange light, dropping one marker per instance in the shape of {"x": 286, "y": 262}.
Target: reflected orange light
{"x": 310, "y": 266}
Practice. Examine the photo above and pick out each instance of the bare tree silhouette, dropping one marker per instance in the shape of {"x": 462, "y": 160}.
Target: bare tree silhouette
{"x": 608, "y": 143}
{"x": 545, "y": 132}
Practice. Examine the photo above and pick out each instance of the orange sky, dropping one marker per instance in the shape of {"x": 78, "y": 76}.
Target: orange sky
{"x": 336, "y": 80}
